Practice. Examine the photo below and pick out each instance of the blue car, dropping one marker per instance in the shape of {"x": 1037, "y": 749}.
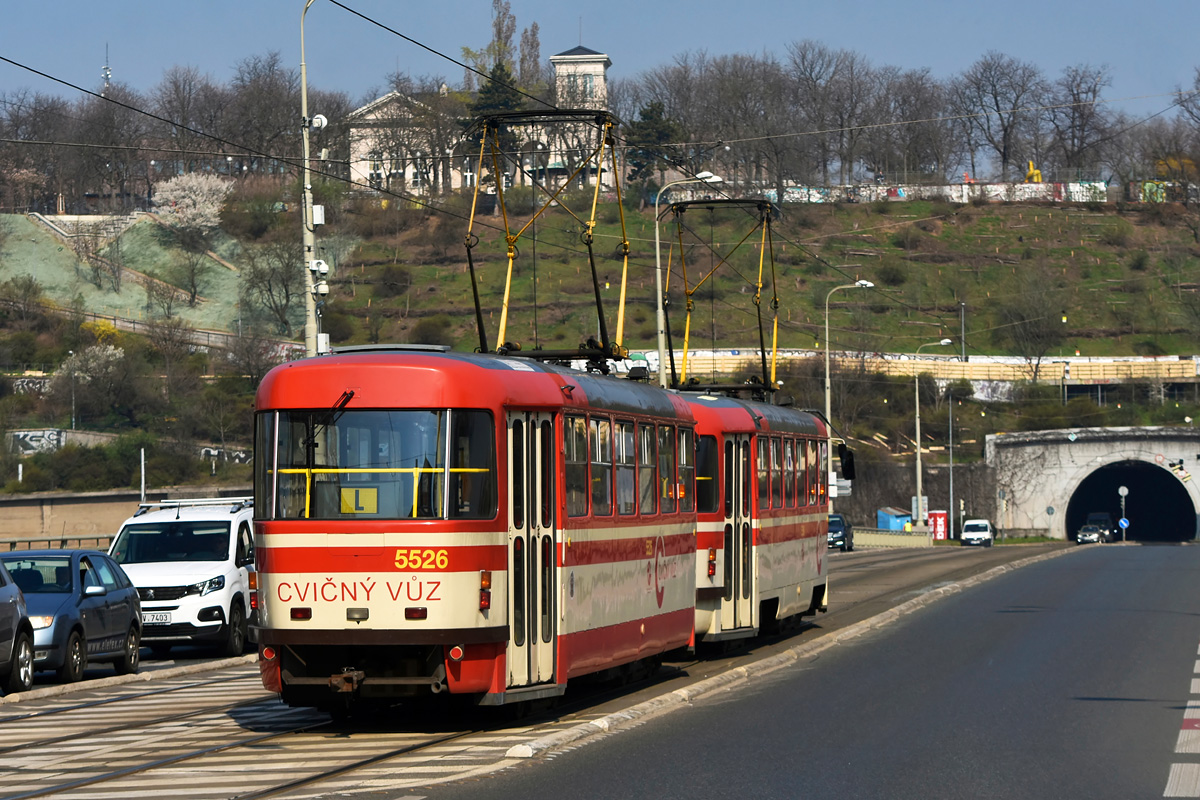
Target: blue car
{"x": 83, "y": 608}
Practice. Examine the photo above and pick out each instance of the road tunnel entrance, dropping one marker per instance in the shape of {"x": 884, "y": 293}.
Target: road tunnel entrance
{"x": 1158, "y": 507}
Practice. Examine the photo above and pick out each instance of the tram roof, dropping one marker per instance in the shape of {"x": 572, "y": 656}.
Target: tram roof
{"x": 749, "y": 415}
{"x": 432, "y": 378}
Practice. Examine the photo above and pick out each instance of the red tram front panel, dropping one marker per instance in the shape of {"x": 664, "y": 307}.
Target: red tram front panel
{"x": 390, "y": 557}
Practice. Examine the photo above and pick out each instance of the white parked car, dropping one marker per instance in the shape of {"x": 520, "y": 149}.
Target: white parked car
{"x": 978, "y": 531}
{"x": 191, "y": 561}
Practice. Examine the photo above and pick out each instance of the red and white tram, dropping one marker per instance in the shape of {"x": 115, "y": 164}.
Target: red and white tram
{"x": 762, "y": 504}
{"x": 466, "y": 523}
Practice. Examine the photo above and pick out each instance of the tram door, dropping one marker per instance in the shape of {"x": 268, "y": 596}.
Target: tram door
{"x": 737, "y": 605}
{"x": 532, "y": 549}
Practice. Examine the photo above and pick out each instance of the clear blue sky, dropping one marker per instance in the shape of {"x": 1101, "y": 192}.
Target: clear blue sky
{"x": 1150, "y": 45}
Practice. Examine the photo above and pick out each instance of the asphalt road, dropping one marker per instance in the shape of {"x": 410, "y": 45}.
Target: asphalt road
{"x": 1069, "y": 677}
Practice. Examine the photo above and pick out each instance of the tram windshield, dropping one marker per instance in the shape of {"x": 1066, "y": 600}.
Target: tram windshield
{"x": 410, "y": 464}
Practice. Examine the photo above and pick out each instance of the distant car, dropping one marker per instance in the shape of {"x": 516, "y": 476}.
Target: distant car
{"x": 16, "y": 637}
{"x": 841, "y": 533}
{"x": 83, "y": 608}
{"x": 978, "y": 531}
{"x": 1089, "y": 534}
{"x": 191, "y": 562}
{"x": 1103, "y": 521}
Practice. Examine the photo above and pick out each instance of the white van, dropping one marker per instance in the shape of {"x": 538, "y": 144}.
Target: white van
{"x": 191, "y": 561}
{"x": 978, "y": 531}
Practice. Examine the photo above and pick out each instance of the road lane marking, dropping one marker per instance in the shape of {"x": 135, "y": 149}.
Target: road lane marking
{"x": 1184, "y": 781}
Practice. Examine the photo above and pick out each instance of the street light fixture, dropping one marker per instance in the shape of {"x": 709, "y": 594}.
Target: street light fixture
{"x": 701, "y": 177}
{"x": 861, "y": 284}
{"x": 920, "y": 520}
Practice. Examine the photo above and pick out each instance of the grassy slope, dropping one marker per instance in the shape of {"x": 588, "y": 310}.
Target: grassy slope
{"x": 1122, "y": 279}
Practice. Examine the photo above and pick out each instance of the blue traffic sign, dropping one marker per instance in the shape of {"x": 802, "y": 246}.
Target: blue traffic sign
{"x": 1124, "y": 523}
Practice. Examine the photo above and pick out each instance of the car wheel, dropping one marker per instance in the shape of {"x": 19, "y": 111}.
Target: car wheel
{"x": 74, "y": 659}
{"x": 127, "y": 664}
{"x": 235, "y": 639}
{"x": 988, "y": 543}
{"x": 20, "y": 672}
{"x": 849, "y": 548}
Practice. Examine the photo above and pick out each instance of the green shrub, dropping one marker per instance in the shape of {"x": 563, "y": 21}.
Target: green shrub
{"x": 892, "y": 275}
{"x": 392, "y": 281}
{"x": 1119, "y": 234}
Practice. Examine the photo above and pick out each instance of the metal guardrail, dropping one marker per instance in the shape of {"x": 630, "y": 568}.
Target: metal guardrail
{"x": 100, "y": 542}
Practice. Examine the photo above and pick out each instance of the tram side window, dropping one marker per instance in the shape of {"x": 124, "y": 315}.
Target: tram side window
{"x": 516, "y": 480}
{"x": 789, "y": 473}
{"x": 264, "y": 468}
{"x": 813, "y": 475}
{"x": 647, "y": 470}
{"x": 687, "y": 470}
{"x": 547, "y": 474}
{"x": 625, "y": 459}
{"x": 822, "y": 477}
{"x": 472, "y": 466}
{"x": 763, "y": 459}
{"x": 666, "y": 467}
{"x": 575, "y": 455}
{"x": 602, "y": 467}
{"x": 708, "y": 475}
{"x": 776, "y": 473}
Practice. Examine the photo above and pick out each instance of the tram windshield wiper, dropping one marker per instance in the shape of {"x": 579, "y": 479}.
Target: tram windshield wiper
{"x": 327, "y": 418}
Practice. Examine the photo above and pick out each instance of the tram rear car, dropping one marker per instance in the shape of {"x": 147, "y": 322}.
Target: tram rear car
{"x": 429, "y": 521}
{"x": 763, "y": 515}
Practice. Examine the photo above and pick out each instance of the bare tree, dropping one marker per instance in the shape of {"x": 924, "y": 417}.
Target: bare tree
{"x": 813, "y": 67}
{"x": 272, "y": 280}
{"x": 172, "y": 339}
{"x": 116, "y": 130}
{"x": 1029, "y": 321}
{"x": 185, "y": 96}
{"x": 1000, "y": 93}
{"x": 262, "y": 114}
{"x": 1077, "y": 116}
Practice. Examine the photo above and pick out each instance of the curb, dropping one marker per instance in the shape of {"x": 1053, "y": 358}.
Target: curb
{"x": 681, "y": 697}
{"x": 118, "y": 680}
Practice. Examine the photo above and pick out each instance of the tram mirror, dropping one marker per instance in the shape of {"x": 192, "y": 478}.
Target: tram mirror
{"x": 847, "y": 457}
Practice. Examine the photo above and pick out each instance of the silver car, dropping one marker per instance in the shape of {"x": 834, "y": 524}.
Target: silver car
{"x": 16, "y": 637}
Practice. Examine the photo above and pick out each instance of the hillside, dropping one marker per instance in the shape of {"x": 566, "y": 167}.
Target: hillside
{"x": 1112, "y": 280}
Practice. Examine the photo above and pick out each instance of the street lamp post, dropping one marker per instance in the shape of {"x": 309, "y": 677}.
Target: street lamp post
{"x": 920, "y": 520}
{"x": 309, "y": 233}
{"x": 702, "y": 177}
{"x": 950, "y": 533}
{"x": 71, "y": 355}
{"x": 861, "y": 284}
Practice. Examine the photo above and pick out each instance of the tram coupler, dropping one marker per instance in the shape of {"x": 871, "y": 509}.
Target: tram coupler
{"x": 347, "y": 681}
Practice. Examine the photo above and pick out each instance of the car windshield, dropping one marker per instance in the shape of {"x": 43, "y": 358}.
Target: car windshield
{"x": 975, "y": 527}
{"x": 836, "y": 523}
{"x": 173, "y": 540}
{"x": 41, "y": 574}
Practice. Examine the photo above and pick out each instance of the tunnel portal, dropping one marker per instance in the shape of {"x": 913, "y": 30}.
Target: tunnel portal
{"x": 1158, "y": 506}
